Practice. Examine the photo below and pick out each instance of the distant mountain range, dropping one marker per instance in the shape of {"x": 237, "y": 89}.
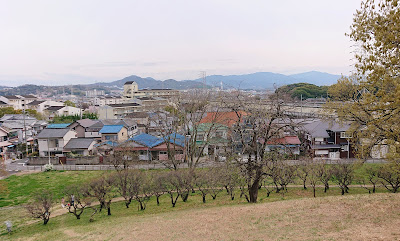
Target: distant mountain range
{"x": 255, "y": 81}
{"x": 259, "y": 80}
{"x": 268, "y": 80}
{"x": 150, "y": 83}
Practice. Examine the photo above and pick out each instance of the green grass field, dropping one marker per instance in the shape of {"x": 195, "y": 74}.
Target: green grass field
{"x": 21, "y": 188}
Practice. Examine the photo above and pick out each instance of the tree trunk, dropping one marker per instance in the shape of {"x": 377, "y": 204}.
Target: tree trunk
{"x": 204, "y": 198}
{"x": 304, "y": 185}
{"x": 253, "y": 191}
{"x": 109, "y": 211}
{"x": 373, "y": 189}
{"x": 326, "y": 187}
{"x": 45, "y": 221}
{"x": 342, "y": 191}
{"x": 158, "y": 200}
{"x": 314, "y": 191}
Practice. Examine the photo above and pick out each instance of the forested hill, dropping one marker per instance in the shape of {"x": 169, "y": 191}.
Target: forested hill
{"x": 304, "y": 90}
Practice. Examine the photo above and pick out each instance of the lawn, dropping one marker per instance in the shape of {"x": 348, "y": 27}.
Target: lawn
{"x": 21, "y": 187}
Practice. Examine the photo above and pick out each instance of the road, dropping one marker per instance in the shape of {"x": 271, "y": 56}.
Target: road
{"x": 15, "y": 166}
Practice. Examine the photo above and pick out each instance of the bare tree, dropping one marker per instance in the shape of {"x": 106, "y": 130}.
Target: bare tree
{"x": 302, "y": 172}
{"x": 371, "y": 177}
{"x": 141, "y": 188}
{"x": 313, "y": 174}
{"x": 187, "y": 111}
{"x": 157, "y": 186}
{"x": 343, "y": 173}
{"x": 259, "y": 122}
{"x": 77, "y": 199}
{"x": 173, "y": 186}
{"x": 390, "y": 177}
{"x": 124, "y": 182}
{"x": 324, "y": 172}
{"x": 40, "y": 206}
{"x": 202, "y": 182}
{"x": 230, "y": 178}
{"x": 102, "y": 189}
{"x": 216, "y": 181}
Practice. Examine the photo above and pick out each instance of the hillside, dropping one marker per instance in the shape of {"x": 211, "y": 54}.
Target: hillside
{"x": 269, "y": 80}
{"x": 151, "y": 83}
{"x": 351, "y": 217}
{"x": 255, "y": 81}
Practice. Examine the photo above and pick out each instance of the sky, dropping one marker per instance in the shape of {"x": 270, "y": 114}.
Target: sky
{"x": 87, "y": 41}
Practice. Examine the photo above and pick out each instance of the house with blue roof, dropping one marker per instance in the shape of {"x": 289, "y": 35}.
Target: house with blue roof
{"x": 117, "y": 133}
{"x": 152, "y": 147}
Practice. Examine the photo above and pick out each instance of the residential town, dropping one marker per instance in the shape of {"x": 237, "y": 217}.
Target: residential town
{"x": 142, "y": 121}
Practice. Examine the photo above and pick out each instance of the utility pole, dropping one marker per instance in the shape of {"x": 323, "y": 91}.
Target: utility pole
{"x": 26, "y": 138}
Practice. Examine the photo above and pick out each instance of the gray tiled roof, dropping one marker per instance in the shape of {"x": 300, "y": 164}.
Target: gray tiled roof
{"x": 79, "y": 143}
{"x": 52, "y": 133}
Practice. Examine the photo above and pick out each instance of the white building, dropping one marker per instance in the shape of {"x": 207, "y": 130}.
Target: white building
{"x": 52, "y": 141}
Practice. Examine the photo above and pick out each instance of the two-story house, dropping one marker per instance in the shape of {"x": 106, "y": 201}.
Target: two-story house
{"x": 52, "y": 141}
{"x": 329, "y": 140}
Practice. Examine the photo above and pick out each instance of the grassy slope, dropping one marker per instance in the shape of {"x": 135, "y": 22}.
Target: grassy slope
{"x": 21, "y": 188}
{"x": 360, "y": 217}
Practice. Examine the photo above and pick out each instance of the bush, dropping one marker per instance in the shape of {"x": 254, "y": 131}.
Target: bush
{"x": 48, "y": 167}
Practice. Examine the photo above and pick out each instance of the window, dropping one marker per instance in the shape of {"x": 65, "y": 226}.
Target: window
{"x": 346, "y": 135}
{"x": 163, "y": 153}
{"x": 345, "y": 148}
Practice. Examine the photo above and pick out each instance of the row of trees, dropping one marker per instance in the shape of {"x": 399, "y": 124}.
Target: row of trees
{"x": 229, "y": 178}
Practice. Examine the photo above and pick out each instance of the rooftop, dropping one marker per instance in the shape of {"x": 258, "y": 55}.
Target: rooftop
{"x": 54, "y": 108}
{"x": 124, "y": 105}
{"x": 79, "y": 143}
{"x": 58, "y": 126}
{"x": 36, "y": 102}
{"x": 111, "y": 129}
{"x": 52, "y": 133}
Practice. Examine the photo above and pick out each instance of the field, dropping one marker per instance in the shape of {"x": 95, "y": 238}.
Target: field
{"x": 351, "y": 217}
{"x": 292, "y": 215}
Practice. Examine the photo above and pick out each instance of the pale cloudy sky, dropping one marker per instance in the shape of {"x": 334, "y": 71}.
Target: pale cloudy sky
{"x": 83, "y": 41}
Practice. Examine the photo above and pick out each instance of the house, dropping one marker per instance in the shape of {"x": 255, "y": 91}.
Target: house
{"x": 41, "y": 105}
{"x": 155, "y": 148}
{"x": 117, "y": 133}
{"x": 105, "y": 148}
{"x": 53, "y": 111}
{"x": 17, "y": 101}
{"x": 4, "y": 143}
{"x": 92, "y": 131}
{"x": 329, "y": 140}
{"x": 80, "y": 146}
{"x": 224, "y": 118}
{"x": 82, "y": 126}
{"x": 288, "y": 144}
{"x": 52, "y": 141}
{"x": 213, "y": 137}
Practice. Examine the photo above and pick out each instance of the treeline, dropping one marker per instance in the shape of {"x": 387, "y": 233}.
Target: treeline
{"x": 10, "y": 110}
{"x": 73, "y": 118}
{"x": 225, "y": 179}
{"x": 304, "y": 90}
